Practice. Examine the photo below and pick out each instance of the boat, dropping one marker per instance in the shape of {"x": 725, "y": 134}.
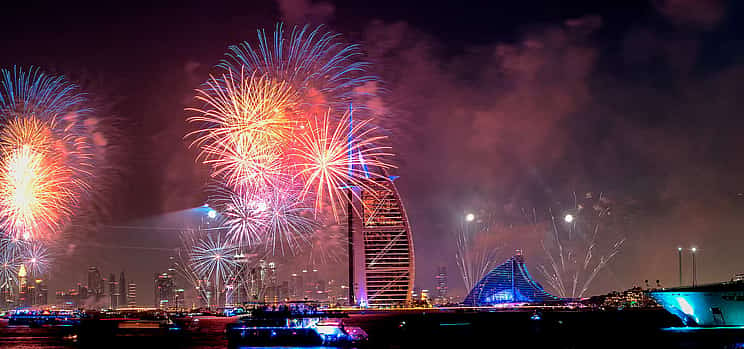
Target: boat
{"x": 287, "y": 327}
{"x": 720, "y": 304}
{"x": 40, "y": 318}
{"x": 122, "y": 324}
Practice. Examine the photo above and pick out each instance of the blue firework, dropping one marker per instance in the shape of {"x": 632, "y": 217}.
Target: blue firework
{"x": 325, "y": 71}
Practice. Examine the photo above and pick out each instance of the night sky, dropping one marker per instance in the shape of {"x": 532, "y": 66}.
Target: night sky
{"x": 493, "y": 108}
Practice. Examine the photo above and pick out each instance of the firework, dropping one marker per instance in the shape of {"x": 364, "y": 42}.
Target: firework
{"x": 332, "y": 159}
{"x": 247, "y": 121}
{"x": 288, "y": 224}
{"x": 45, "y": 154}
{"x": 10, "y": 263}
{"x": 245, "y": 216}
{"x": 275, "y": 127}
{"x": 577, "y": 249}
{"x": 476, "y": 255}
{"x": 36, "y": 259}
{"x": 323, "y": 70}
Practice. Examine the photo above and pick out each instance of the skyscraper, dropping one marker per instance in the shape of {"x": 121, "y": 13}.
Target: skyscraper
{"x": 132, "y": 295}
{"x": 95, "y": 283}
{"x": 381, "y": 259}
{"x": 165, "y": 291}
{"x": 114, "y": 291}
{"x": 441, "y": 285}
{"x": 122, "y": 290}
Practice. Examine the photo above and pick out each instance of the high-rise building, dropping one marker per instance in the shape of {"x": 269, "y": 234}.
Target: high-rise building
{"x": 381, "y": 259}
{"x": 165, "y": 291}
{"x": 295, "y": 287}
{"x": 441, "y": 285}
{"x": 180, "y": 302}
{"x": 113, "y": 291}
{"x": 23, "y": 296}
{"x": 122, "y": 290}
{"x": 132, "y": 295}
{"x": 41, "y": 296}
{"x": 95, "y": 282}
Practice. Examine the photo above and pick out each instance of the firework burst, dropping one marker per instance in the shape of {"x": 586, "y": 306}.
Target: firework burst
{"x": 246, "y": 120}
{"x": 332, "y": 159}
{"x": 36, "y": 259}
{"x": 275, "y": 127}
{"x": 45, "y": 155}
{"x": 323, "y": 70}
{"x": 213, "y": 258}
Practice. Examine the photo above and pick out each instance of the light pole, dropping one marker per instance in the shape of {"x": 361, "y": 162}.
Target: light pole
{"x": 694, "y": 267}
{"x": 679, "y": 254}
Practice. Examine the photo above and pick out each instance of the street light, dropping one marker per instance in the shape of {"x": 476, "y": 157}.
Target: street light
{"x": 694, "y": 267}
{"x": 211, "y": 214}
{"x": 568, "y": 218}
{"x": 679, "y": 255}
{"x": 469, "y": 217}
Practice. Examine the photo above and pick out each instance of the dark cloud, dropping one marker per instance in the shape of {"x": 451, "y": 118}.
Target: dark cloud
{"x": 703, "y": 14}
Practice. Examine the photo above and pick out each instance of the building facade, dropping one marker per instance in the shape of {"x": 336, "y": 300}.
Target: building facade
{"x": 381, "y": 258}
{"x": 165, "y": 291}
{"x": 509, "y": 282}
{"x": 441, "y": 282}
{"x": 132, "y": 294}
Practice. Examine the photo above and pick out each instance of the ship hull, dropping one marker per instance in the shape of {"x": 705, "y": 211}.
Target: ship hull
{"x": 706, "y": 307}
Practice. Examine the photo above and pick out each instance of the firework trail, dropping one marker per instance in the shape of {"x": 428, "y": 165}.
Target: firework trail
{"x": 476, "y": 253}
{"x": 577, "y": 251}
{"x": 45, "y": 163}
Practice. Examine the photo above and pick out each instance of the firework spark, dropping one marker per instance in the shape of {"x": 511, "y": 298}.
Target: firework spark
{"x": 10, "y": 263}
{"x": 331, "y": 159}
{"x": 246, "y": 121}
{"x": 45, "y": 161}
{"x": 36, "y": 259}
{"x": 476, "y": 255}
{"x": 213, "y": 258}
{"x": 577, "y": 251}
{"x": 325, "y": 72}
{"x": 289, "y": 224}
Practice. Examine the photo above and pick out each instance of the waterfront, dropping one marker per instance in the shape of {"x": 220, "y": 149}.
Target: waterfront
{"x": 432, "y": 329}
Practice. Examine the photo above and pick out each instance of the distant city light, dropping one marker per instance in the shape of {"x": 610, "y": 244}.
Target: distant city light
{"x": 694, "y": 249}
{"x": 469, "y": 217}
{"x": 568, "y": 218}
{"x": 212, "y": 214}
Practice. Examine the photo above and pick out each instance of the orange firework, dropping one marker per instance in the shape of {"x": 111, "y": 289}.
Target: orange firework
{"x": 36, "y": 188}
{"x": 247, "y": 120}
{"x": 332, "y": 159}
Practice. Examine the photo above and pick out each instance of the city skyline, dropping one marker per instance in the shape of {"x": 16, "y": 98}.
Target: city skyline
{"x": 506, "y": 115}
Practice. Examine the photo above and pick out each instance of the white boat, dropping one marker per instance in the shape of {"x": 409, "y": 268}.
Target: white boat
{"x": 719, "y": 304}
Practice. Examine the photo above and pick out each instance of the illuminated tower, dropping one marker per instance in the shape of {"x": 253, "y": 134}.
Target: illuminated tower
{"x": 442, "y": 287}
{"x": 381, "y": 258}
{"x": 22, "y": 286}
{"x": 132, "y": 295}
